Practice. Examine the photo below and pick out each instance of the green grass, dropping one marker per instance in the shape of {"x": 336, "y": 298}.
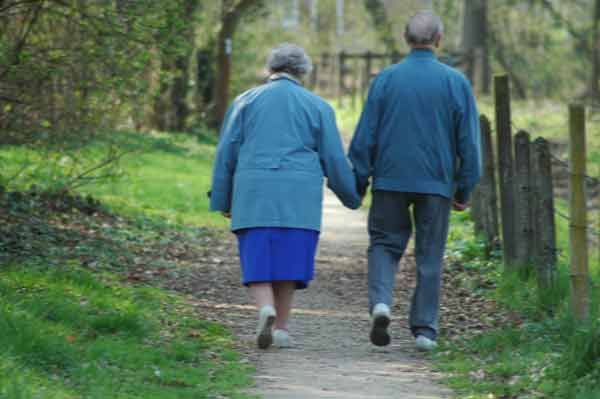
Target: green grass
{"x": 68, "y": 333}
{"x": 544, "y": 356}
{"x": 72, "y": 325}
{"x": 165, "y": 176}
{"x": 550, "y": 120}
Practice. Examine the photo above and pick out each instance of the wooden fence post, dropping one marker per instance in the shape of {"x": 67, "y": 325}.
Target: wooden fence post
{"x": 341, "y": 75}
{"x": 578, "y": 240}
{"x": 324, "y": 73}
{"x": 477, "y": 211}
{"x": 543, "y": 214}
{"x": 505, "y": 167}
{"x": 487, "y": 187}
{"x": 314, "y": 76}
{"x": 368, "y": 69}
{"x": 523, "y": 225}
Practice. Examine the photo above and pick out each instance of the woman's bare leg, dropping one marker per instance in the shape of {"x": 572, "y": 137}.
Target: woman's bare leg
{"x": 262, "y": 293}
{"x": 284, "y": 294}
{"x": 263, "y": 296}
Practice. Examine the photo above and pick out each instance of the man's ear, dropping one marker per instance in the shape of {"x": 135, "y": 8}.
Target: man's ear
{"x": 438, "y": 41}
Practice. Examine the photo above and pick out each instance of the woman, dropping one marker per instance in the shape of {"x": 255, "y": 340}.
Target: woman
{"x": 278, "y": 142}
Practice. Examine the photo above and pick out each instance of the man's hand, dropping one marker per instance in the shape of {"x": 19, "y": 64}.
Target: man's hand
{"x": 457, "y": 206}
{"x": 226, "y": 214}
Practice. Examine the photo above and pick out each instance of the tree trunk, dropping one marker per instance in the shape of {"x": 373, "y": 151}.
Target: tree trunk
{"x": 170, "y": 105}
{"x": 314, "y": 15}
{"x": 385, "y": 31}
{"x": 340, "y": 17}
{"x": 475, "y": 43}
{"x": 594, "y": 87}
{"x": 500, "y": 52}
{"x": 181, "y": 65}
{"x": 230, "y": 17}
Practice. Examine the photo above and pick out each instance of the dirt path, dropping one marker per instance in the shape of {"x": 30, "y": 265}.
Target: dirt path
{"x": 332, "y": 357}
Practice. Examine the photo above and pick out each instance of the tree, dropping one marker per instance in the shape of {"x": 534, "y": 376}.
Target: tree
{"x": 170, "y": 106}
{"x": 594, "y": 89}
{"x": 385, "y": 30}
{"x": 231, "y": 13}
{"x": 475, "y": 43}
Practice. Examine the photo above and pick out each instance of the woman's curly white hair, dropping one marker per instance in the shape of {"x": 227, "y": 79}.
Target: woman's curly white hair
{"x": 289, "y": 58}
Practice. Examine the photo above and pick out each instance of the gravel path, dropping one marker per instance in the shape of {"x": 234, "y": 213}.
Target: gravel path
{"x": 332, "y": 356}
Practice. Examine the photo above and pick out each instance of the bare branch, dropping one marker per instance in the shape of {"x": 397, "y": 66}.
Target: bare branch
{"x": 25, "y": 35}
{"x": 76, "y": 181}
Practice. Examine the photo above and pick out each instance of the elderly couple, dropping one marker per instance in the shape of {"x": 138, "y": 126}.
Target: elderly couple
{"x": 417, "y": 140}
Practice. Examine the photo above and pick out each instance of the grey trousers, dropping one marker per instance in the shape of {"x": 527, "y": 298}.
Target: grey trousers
{"x": 390, "y": 228}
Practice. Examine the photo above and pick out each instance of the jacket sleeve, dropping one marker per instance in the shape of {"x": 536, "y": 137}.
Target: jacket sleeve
{"x": 226, "y": 160}
{"x": 336, "y": 166}
{"x": 362, "y": 147}
{"x": 468, "y": 145}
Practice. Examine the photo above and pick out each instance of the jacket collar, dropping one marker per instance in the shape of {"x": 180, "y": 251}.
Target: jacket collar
{"x": 422, "y": 53}
{"x": 283, "y": 75}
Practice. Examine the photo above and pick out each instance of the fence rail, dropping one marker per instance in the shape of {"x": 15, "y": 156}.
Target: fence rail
{"x": 349, "y": 74}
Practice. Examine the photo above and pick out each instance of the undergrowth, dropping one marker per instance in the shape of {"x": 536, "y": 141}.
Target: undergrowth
{"x": 546, "y": 354}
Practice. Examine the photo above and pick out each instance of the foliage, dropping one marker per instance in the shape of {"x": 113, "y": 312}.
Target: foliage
{"x": 543, "y": 355}
{"x": 69, "y": 65}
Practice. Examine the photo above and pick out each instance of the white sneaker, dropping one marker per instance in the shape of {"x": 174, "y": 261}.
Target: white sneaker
{"x": 381, "y": 316}
{"x": 281, "y": 339}
{"x": 264, "y": 333}
{"x": 425, "y": 344}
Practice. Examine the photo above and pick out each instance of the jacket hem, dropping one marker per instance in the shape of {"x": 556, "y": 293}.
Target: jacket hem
{"x": 239, "y": 225}
{"x": 421, "y": 187}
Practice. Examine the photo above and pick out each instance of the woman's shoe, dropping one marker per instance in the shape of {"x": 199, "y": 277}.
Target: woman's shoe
{"x": 281, "y": 339}
{"x": 264, "y": 331}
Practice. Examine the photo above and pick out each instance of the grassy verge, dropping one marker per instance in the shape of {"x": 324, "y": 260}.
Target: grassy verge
{"x": 82, "y": 314}
{"x": 68, "y": 333}
{"x": 550, "y": 120}
{"x": 542, "y": 355}
{"x": 164, "y": 176}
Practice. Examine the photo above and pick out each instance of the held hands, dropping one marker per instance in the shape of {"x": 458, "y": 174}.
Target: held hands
{"x": 459, "y": 207}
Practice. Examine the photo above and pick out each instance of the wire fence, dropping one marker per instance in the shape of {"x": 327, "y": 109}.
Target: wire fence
{"x": 593, "y": 182}
{"x": 519, "y": 205}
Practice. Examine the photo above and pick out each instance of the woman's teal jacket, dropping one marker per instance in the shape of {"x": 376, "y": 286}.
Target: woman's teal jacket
{"x": 278, "y": 142}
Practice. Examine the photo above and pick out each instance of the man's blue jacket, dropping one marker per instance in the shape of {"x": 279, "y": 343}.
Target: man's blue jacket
{"x": 419, "y": 131}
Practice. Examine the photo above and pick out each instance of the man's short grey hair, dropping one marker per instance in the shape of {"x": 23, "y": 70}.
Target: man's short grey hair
{"x": 289, "y": 58}
{"x": 424, "y": 28}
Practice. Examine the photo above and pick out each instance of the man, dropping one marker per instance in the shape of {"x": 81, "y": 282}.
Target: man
{"x": 418, "y": 139}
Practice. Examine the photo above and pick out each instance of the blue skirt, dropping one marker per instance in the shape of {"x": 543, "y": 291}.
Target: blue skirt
{"x": 277, "y": 254}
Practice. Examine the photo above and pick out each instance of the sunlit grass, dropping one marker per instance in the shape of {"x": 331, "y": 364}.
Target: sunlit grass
{"x": 549, "y": 354}
{"x": 165, "y": 176}
{"x": 67, "y": 333}
{"x": 549, "y": 119}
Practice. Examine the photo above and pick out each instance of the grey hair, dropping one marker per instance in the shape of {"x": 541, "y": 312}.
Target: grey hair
{"x": 289, "y": 58}
{"x": 424, "y": 28}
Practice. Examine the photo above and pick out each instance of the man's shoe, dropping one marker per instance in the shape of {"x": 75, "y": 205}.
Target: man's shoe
{"x": 425, "y": 344}
{"x": 264, "y": 330}
{"x": 380, "y": 323}
{"x": 281, "y": 339}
